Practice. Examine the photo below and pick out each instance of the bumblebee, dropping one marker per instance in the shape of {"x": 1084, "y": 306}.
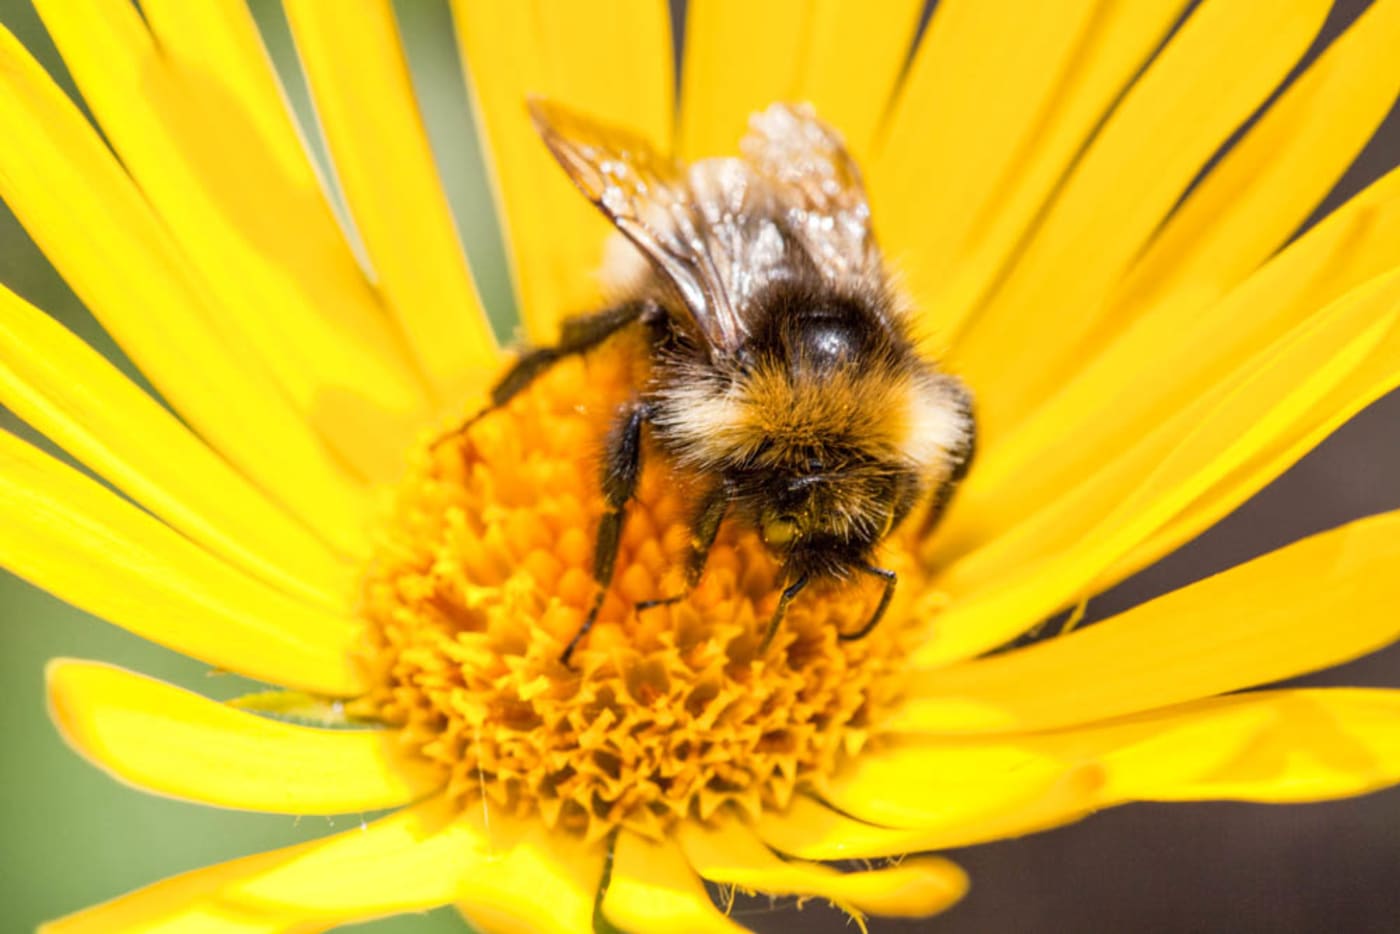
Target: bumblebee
{"x": 782, "y": 369}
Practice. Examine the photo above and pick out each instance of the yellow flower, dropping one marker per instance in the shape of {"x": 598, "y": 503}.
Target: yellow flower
{"x": 1147, "y": 348}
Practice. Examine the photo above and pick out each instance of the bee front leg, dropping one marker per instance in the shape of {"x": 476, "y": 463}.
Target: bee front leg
{"x": 890, "y": 579}
{"x": 576, "y": 335}
{"x": 622, "y": 465}
{"x": 703, "y": 530}
{"x": 788, "y": 596}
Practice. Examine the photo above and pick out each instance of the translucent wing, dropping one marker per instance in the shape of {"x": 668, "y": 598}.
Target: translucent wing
{"x": 805, "y": 165}
{"x": 649, "y": 198}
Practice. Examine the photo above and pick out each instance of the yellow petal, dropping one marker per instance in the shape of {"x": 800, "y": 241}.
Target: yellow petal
{"x": 740, "y": 57}
{"x": 504, "y": 895}
{"x": 945, "y": 783}
{"x": 1171, "y": 356}
{"x": 1216, "y": 70}
{"x": 195, "y": 114}
{"x": 1267, "y": 746}
{"x": 420, "y": 851}
{"x": 610, "y": 59}
{"x": 977, "y": 142}
{"x": 76, "y": 539}
{"x": 1268, "y": 183}
{"x": 1270, "y": 746}
{"x": 938, "y": 782}
{"x": 1367, "y": 382}
{"x": 101, "y": 234}
{"x": 200, "y": 917}
{"x": 173, "y": 742}
{"x": 364, "y": 101}
{"x": 812, "y": 830}
{"x": 733, "y": 855}
{"x": 954, "y": 792}
{"x": 653, "y": 889}
{"x": 1360, "y": 239}
{"x": 1318, "y": 602}
{"x": 66, "y": 390}
{"x": 998, "y": 101}
{"x": 418, "y": 858}
{"x": 1318, "y": 744}
{"x": 1055, "y": 554}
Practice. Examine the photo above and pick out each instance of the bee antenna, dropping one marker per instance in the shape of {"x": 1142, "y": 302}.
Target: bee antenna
{"x": 890, "y": 579}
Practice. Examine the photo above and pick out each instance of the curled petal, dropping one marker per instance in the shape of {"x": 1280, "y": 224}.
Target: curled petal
{"x": 732, "y": 854}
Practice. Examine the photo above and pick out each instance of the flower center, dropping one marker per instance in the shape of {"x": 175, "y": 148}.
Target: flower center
{"x": 672, "y": 712}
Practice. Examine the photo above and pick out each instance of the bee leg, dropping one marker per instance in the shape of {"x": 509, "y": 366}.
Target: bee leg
{"x": 703, "y": 530}
{"x": 577, "y": 335}
{"x": 890, "y": 580}
{"x": 788, "y": 596}
{"x": 622, "y": 465}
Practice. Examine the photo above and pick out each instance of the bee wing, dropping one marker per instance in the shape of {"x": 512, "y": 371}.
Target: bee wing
{"x": 805, "y": 164}
{"x": 649, "y": 198}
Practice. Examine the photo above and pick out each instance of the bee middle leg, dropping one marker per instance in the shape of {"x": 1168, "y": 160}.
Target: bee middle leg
{"x": 576, "y": 335}
{"x": 788, "y": 596}
{"x": 622, "y": 465}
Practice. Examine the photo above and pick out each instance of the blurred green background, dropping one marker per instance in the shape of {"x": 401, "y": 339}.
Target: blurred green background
{"x": 70, "y": 836}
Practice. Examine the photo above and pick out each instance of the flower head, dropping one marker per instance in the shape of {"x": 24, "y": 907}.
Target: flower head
{"x": 1148, "y": 345}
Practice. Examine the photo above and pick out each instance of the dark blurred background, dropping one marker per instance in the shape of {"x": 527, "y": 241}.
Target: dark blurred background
{"x": 70, "y": 836}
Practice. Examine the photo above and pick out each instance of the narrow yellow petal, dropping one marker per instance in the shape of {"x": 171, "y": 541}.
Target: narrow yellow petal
{"x": 610, "y": 59}
{"x": 1318, "y": 602}
{"x": 956, "y": 790}
{"x": 812, "y": 830}
{"x": 740, "y": 57}
{"x": 997, "y": 105}
{"x": 72, "y": 537}
{"x": 1026, "y": 474}
{"x": 195, "y": 115}
{"x": 1268, "y": 183}
{"x": 1367, "y": 382}
{"x": 200, "y": 917}
{"x": 225, "y": 896}
{"x": 809, "y": 829}
{"x": 172, "y": 742}
{"x": 733, "y": 855}
{"x": 65, "y": 389}
{"x": 1185, "y": 343}
{"x": 503, "y": 895}
{"x": 1267, "y": 746}
{"x": 1319, "y": 744}
{"x": 418, "y": 858}
{"x": 1056, "y": 553}
{"x": 101, "y": 234}
{"x": 1218, "y": 68}
{"x": 653, "y": 889}
{"x": 364, "y": 99}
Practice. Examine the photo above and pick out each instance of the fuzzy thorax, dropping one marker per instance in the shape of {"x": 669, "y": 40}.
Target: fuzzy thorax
{"x": 910, "y": 419}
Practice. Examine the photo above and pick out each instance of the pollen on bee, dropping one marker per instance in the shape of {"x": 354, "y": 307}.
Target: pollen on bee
{"x": 485, "y": 573}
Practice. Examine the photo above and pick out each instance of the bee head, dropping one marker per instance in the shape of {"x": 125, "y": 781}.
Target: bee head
{"x": 826, "y": 518}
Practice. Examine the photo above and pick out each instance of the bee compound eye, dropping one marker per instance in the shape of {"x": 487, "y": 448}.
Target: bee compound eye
{"x": 779, "y": 531}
